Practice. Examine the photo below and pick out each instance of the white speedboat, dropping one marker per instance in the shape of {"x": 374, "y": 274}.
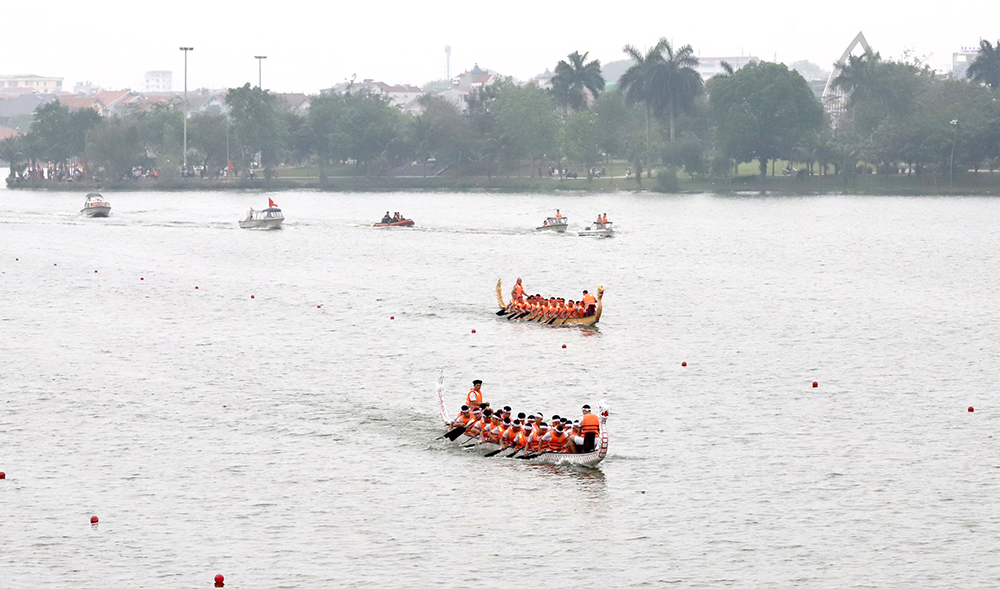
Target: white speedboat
{"x": 558, "y": 224}
{"x": 269, "y": 218}
{"x": 96, "y": 206}
{"x": 597, "y": 230}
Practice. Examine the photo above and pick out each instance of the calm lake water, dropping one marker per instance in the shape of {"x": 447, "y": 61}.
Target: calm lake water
{"x": 284, "y": 444}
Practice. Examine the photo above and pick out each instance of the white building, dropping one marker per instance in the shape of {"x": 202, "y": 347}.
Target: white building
{"x": 961, "y": 61}
{"x": 40, "y": 84}
{"x": 158, "y": 81}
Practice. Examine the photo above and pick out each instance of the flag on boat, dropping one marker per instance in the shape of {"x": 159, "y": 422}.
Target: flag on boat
{"x": 271, "y": 203}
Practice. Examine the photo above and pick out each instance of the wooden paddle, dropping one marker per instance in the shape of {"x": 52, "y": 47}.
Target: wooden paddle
{"x": 453, "y": 434}
{"x": 495, "y": 452}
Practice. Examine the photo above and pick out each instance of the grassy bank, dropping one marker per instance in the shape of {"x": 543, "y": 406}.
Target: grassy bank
{"x": 969, "y": 183}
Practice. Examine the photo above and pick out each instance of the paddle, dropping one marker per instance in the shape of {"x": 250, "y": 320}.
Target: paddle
{"x": 494, "y": 453}
{"x": 513, "y": 454}
{"x": 453, "y": 434}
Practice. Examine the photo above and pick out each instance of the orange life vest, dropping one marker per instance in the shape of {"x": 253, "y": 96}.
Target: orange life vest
{"x": 474, "y": 398}
{"x": 590, "y": 424}
{"x": 518, "y": 292}
{"x": 556, "y": 442}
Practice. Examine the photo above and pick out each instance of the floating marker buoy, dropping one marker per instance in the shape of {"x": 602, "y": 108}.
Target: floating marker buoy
{"x": 971, "y": 409}
{"x": 196, "y": 288}
{"x": 815, "y": 384}
{"x": 473, "y": 331}
{"x": 684, "y": 363}
{"x": 95, "y": 271}
{"x": 3, "y": 475}
{"x": 93, "y": 519}
{"x": 141, "y": 278}
{"x": 251, "y": 296}
{"x": 392, "y": 317}
{"x": 55, "y": 264}
{"x": 564, "y": 346}
{"x": 220, "y": 581}
{"x": 319, "y": 306}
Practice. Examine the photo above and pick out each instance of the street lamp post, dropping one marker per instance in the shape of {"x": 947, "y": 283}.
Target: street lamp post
{"x": 260, "y": 59}
{"x": 951, "y": 165}
{"x": 185, "y": 155}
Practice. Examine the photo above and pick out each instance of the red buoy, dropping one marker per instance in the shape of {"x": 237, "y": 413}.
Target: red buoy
{"x": 93, "y": 519}
{"x": 196, "y": 288}
{"x": 55, "y": 264}
{"x": 141, "y": 278}
{"x": 319, "y": 306}
{"x": 220, "y": 581}
{"x": 815, "y": 384}
{"x": 251, "y": 296}
{"x": 473, "y": 331}
{"x": 564, "y": 345}
{"x": 684, "y": 363}
{"x": 3, "y": 475}
{"x": 393, "y": 317}
{"x": 95, "y": 271}
{"x": 971, "y": 409}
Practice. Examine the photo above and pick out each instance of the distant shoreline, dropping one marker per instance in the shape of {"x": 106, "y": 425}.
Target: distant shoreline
{"x": 981, "y": 184}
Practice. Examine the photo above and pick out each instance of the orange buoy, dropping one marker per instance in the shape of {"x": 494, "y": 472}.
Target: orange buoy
{"x": 971, "y": 409}
{"x": 815, "y": 384}
{"x": 220, "y": 581}
{"x": 684, "y": 363}
{"x": 93, "y": 519}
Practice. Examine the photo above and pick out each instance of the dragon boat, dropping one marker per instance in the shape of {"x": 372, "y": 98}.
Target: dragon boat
{"x": 527, "y": 316}
{"x": 490, "y": 449}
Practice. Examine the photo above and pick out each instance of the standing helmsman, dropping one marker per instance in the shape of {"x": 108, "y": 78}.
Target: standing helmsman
{"x": 475, "y": 396}
{"x": 590, "y": 426}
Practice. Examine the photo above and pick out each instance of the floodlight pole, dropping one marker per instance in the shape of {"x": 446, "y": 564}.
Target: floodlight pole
{"x": 260, "y": 60}
{"x": 185, "y": 156}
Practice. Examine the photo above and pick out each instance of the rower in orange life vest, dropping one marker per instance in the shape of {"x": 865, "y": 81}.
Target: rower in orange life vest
{"x": 589, "y": 303}
{"x": 518, "y": 293}
{"x": 590, "y": 426}
{"x": 475, "y": 396}
{"x": 463, "y": 419}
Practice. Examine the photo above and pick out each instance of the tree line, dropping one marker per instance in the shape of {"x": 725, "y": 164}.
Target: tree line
{"x": 896, "y": 116}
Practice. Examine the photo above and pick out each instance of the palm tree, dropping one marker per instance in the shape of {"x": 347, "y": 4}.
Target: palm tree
{"x": 859, "y": 78}
{"x": 575, "y": 76}
{"x": 986, "y": 67}
{"x": 664, "y": 80}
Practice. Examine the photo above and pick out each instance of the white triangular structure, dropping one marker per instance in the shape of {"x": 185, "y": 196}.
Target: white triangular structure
{"x": 834, "y": 99}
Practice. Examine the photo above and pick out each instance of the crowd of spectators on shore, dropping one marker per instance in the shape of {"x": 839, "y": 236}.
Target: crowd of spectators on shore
{"x": 59, "y": 172}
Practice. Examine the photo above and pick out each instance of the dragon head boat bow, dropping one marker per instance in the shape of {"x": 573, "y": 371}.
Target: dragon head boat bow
{"x": 513, "y": 313}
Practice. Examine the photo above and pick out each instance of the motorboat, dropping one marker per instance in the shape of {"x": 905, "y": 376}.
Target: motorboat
{"x": 557, "y": 224}
{"x": 269, "y": 218}
{"x": 597, "y": 230}
{"x": 395, "y": 223}
{"x": 473, "y": 444}
{"x": 96, "y": 206}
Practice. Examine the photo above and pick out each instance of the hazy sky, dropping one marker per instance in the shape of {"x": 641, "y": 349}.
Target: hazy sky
{"x": 114, "y": 42}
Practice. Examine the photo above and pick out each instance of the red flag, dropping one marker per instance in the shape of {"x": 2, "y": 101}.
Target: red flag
{"x": 230, "y": 167}
{"x": 271, "y": 203}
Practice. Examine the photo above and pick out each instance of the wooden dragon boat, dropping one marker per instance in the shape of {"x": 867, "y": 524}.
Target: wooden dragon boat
{"x": 527, "y": 316}
{"x": 489, "y": 449}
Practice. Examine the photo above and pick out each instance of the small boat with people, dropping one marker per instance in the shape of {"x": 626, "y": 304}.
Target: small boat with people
{"x": 599, "y": 228}
{"x": 557, "y": 223}
{"x": 503, "y": 433}
{"x": 269, "y": 218}
{"x": 394, "y": 220}
{"x": 550, "y": 310}
{"x": 96, "y": 206}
